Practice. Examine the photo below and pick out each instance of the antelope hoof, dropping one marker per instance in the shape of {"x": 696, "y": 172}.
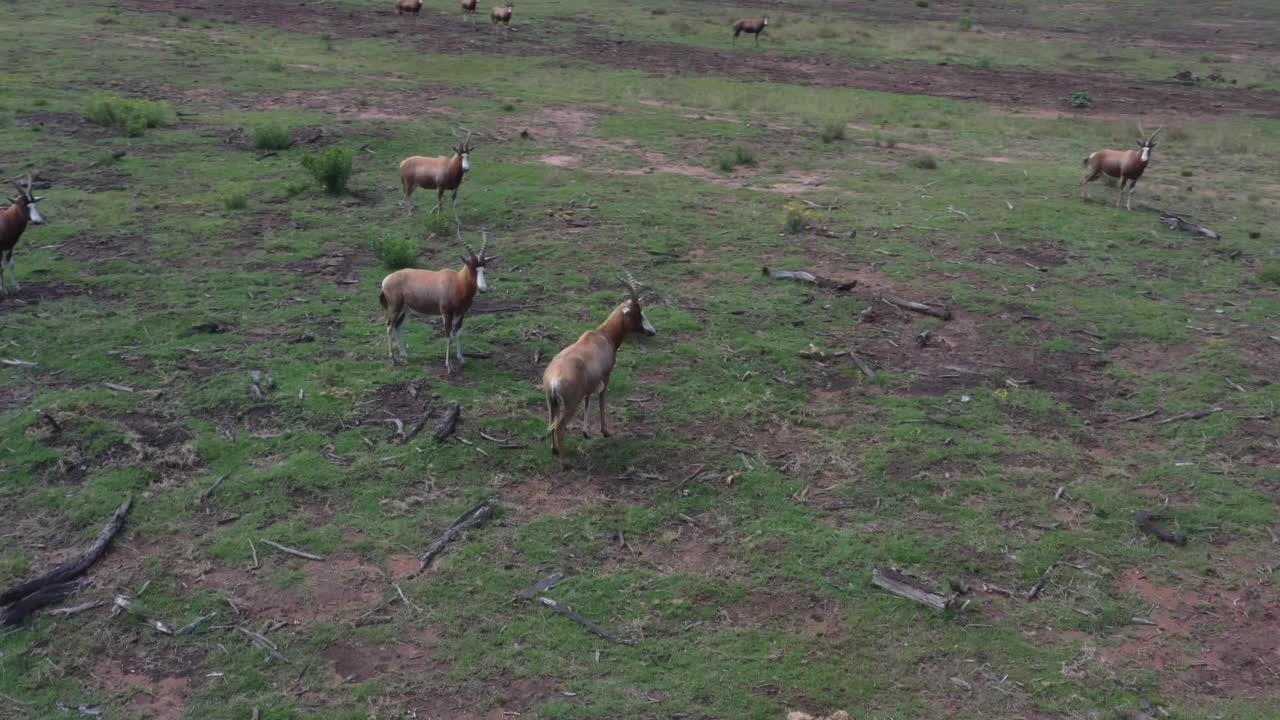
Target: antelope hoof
{"x": 586, "y": 433}
{"x": 605, "y": 433}
{"x": 555, "y": 451}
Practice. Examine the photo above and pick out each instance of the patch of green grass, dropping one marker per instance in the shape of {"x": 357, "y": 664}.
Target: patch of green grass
{"x": 331, "y": 168}
{"x": 735, "y": 157}
{"x": 832, "y": 131}
{"x": 396, "y": 251}
{"x": 1270, "y": 275}
{"x": 237, "y": 200}
{"x": 923, "y": 161}
{"x": 1080, "y": 100}
{"x": 922, "y": 3}
{"x": 271, "y": 136}
{"x": 130, "y": 116}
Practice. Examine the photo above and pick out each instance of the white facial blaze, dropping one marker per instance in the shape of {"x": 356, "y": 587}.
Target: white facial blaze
{"x": 480, "y": 283}
{"x": 36, "y": 217}
{"x": 466, "y": 162}
{"x": 1146, "y": 153}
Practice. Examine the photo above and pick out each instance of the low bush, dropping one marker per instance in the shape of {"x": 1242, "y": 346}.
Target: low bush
{"x": 132, "y": 117}
{"x": 331, "y": 168}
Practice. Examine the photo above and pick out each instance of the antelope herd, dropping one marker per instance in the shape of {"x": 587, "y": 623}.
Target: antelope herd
{"x": 579, "y": 371}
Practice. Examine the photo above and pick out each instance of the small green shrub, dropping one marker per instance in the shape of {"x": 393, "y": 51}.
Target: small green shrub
{"x": 275, "y": 65}
{"x": 132, "y": 117}
{"x": 235, "y": 201}
{"x": 437, "y": 224}
{"x": 1270, "y": 275}
{"x": 1187, "y": 173}
{"x": 184, "y": 17}
{"x": 966, "y": 23}
{"x": 508, "y": 107}
{"x": 327, "y": 40}
{"x": 396, "y": 252}
{"x": 1080, "y": 100}
{"x": 826, "y": 32}
{"x": 832, "y": 131}
{"x": 272, "y": 137}
{"x": 984, "y": 61}
{"x": 297, "y": 188}
{"x": 331, "y": 168}
{"x": 658, "y": 11}
{"x": 922, "y": 3}
{"x": 680, "y": 27}
{"x": 105, "y": 20}
{"x": 923, "y": 161}
{"x": 738, "y": 155}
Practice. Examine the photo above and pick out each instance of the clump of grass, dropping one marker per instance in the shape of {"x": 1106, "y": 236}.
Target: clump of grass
{"x": 327, "y": 40}
{"x": 738, "y": 155}
{"x": 272, "y": 137}
{"x": 826, "y": 32}
{"x": 297, "y": 188}
{"x": 1187, "y": 173}
{"x": 924, "y": 161}
{"x": 132, "y": 117}
{"x": 396, "y": 252}
{"x": 966, "y": 23}
{"x": 508, "y": 107}
{"x": 984, "y": 61}
{"x": 275, "y": 65}
{"x": 1080, "y": 100}
{"x": 922, "y": 3}
{"x": 105, "y": 20}
{"x": 331, "y": 168}
{"x": 1270, "y": 275}
{"x": 832, "y": 131}
{"x": 184, "y": 17}
{"x": 437, "y": 225}
{"x": 796, "y": 217}
{"x": 658, "y": 11}
{"x": 235, "y": 200}
{"x": 680, "y": 27}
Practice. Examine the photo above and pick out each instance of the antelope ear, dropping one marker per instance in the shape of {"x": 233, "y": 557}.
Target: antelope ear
{"x": 37, "y": 199}
{"x": 626, "y": 310}
{"x": 490, "y": 258}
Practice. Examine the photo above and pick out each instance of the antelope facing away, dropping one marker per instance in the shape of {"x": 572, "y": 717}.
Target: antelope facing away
{"x": 1128, "y": 165}
{"x": 22, "y": 211}
{"x": 437, "y": 173}
{"x": 502, "y": 13}
{"x": 582, "y": 369}
{"x": 447, "y": 293}
{"x": 755, "y": 26}
{"x": 469, "y": 8}
{"x": 408, "y": 6}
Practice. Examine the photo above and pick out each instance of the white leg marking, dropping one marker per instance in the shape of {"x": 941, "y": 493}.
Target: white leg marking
{"x": 457, "y": 344}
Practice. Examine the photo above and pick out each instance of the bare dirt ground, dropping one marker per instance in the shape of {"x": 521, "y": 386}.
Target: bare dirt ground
{"x": 1022, "y": 89}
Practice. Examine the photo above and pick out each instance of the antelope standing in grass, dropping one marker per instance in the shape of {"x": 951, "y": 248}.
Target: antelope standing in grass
{"x": 502, "y": 13}
{"x": 1128, "y": 165}
{"x": 22, "y": 211}
{"x": 582, "y": 369}
{"x": 437, "y": 173}
{"x": 447, "y": 293}
{"x": 469, "y": 8}
{"x": 754, "y": 26}
{"x": 408, "y": 6}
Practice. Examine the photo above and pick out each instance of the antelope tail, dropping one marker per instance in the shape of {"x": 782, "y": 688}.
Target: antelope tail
{"x": 382, "y": 299}
{"x": 1086, "y": 162}
{"x": 555, "y": 406}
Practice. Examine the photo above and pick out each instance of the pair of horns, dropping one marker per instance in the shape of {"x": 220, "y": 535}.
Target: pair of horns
{"x": 633, "y": 287}
{"x": 1143, "y": 133}
{"x": 466, "y": 141}
{"x": 25, "y": 185}
{"x": 484, "y": 245}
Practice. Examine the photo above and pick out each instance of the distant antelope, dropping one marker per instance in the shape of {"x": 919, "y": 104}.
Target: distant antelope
{"x": 22, "y": 211}
{"x": 447, "y": 293}
{"x": 408, "y": 6}
{"x": 1128, "y": 165}
{"x": 755, "y": 26}
{"x": 469, "y": 8}
{"x": 437, "y": 173}
{"x": 582, "y": 369}
{"x": 502, "y": 13}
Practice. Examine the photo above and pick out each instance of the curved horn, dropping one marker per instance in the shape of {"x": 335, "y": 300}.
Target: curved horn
{"x": 633, "y": 287}
{"x": 1154, "y": 134}
{"x": 484, "y": 233}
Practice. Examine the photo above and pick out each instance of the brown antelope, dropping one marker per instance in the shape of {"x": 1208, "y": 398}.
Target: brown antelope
{"x": 582, "y": 369}
{"x": 22, "y": 211}
{"x": 755, "y": 26}
{"x": 469, "y": 9}
{"x": 447, "y": 293}
{"x": 502, "y": 13}
{"x": 1128, "y": 165}
{"x": 408, "y": 6}
{"x": 437, "y": 173}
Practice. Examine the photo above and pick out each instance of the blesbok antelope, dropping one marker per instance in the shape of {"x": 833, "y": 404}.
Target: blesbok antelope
{"x": 437, "y": 173}
{"x": 1128, "y": 165}
{"x": 22, "y": 211}
{"x": 755, "y": 26}
{"x": 502, "y": 13}
{"x": 469, "y": 8}
{"x": 582, "y": 369}
{"x": 447, "y": 293}
{"x": 408, "y": 6}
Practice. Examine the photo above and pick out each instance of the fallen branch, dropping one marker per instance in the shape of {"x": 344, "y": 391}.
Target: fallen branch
{"x": 262, "y": 642}
{"x": 125, "y": 604}
{"x": 1177, "y": 223}
{"x": 417, "y": 428}
{"x": 116, "y": 386}
{"x": 291, "y": 551}
{"x": 45, "y": 595}
{"x": 74, "y": 609}
{"x": 808, "y": 277}
{"x": 898, "y": 302}
{"x": 541, "y": 586}
{"x": 1039, "y": 586}
{"x": 209, "y": 490}
{"x": 1190, "y": 416}
{"x": 404, "y": 599}
{"x": 576, "y": 617}
{"x": 863, "y": 365}
{"x": 194, "y": 624}
{"x": 899, "y": 583}
{"x": 76, "y": 565}
{"x": 448, "y": 423}
{"x": 473, "y": 518}
{"x": 16, "y": 363}
{"x": 1141, "y": 416}
{"x": 1146, "y": 523}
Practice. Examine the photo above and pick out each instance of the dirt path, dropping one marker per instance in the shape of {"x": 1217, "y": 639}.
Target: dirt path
{"x": 1019, "y": 89}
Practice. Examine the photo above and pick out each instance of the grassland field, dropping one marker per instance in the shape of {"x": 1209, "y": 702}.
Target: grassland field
{"x": 755, "y": 476}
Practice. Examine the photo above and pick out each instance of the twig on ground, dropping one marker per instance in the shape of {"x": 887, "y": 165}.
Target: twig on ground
{"x": 1196, "y": 415}
{"x": 125, "y": 604}
{"x": 209, "y": 490}
{"x": 541, "y": 586}
{"x": 584, "y": 622}
{"x": 291, "y": 551}
{"x": 899, "y": 583}
{"x": 898, "y": 302}
{"x": 262, "y": 642}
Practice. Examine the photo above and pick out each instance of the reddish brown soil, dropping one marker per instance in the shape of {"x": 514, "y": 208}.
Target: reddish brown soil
{"x": 1029, "y": 89}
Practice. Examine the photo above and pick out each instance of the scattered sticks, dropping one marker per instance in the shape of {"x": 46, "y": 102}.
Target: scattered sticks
{"x": 541, "y": 586}
{"x": 45, "y": 595}
{"x": 863, "y": 365}
{"x": 473, "y": 518}
{"x": 291, "y": 551}
{"x": 898, "y": 302}
{"x": 899, "y": 583}
{"x": 584, "y": 622}
{"x": 1146, "y": 522}
{"x": 1196, "y": 415}
{"x": 808, "y": 277}
{"x": 123, "y": 603}
{"x": 404, "y": 599}
{"x": 1141, "y": 416}
{"x": 74, "y": 609}
{"x": 195, "y": 624}
{"x": 262, "y": 642}
{"x": 74, "y": 566}
{"x": 1039, "y": 586}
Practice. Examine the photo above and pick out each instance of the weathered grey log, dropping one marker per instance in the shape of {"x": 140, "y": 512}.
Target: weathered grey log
{"x": 1039, "y": 586}
{"x": 863, "y": 365}
{"x": 1177, "y": 223}
{"x": 75, "y": 566}
{"x": 899, "y": 583}
{"x": 473, "y": 518}
{"x": 448, "y": 423}
{"x": 262, "y": 642}
{"x": 541, "y": 586}
{"x": 584, "y": 622}
{"x": 942, "y": 313}
{"x": 808, "y": 277}
{"x": 292, "y": 551}
{"x": 45, "y": 595}
{"x": 1196, "y": 415}
{"x": 1146, "y": 522}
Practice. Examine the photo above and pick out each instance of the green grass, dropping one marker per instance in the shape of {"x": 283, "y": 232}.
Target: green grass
{"x": 272, "y": 137}
{"x": 129, "y": 116}
{"x": 331, "y": 168}
{"x": 731, "y": 521}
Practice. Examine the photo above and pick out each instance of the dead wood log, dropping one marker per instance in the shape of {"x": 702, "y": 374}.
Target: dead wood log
{"x": 584, "y": 622}
{"x": 75, "y": 609}
{"x": 209, "y": 490}
{"x": 899, "y": 583}
{"x": 448, "y": 423}
{"x": 1146, "y": 522}
{"x": 1196, "y": 415}
{"x": 76, "y": 565}
{"x": 194, "y": 624}
{"x": 913, "y": 306}
{"x": 291, "y": 551}
{"x": 473, "y": 518}
{"x": 417, "y": 427}
{"x": 541, "y": 586}
{"x": 45, "y": 595}
{"x": 863, "y": 365}
{"x": 808, "y": 277}
{"x": 1178, "y": 223}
